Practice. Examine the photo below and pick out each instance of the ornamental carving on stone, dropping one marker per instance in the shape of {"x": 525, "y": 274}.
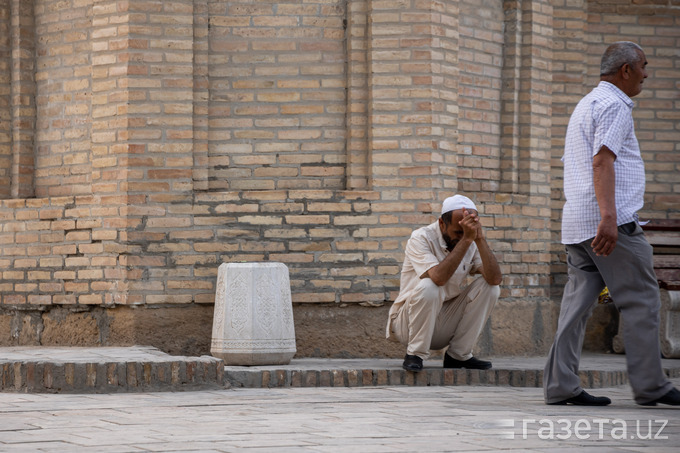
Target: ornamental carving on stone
{"x": 265, "y": 304}
{"x": 238, "y": 292}
{"x": 220, "y": 302}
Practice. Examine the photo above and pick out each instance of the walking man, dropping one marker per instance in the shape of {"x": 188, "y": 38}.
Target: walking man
{"x": 604, "y": 184}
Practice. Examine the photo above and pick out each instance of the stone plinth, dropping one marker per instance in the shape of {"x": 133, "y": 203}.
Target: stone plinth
{"x": 253, "y": 320}
{"x": 669, "y": 326}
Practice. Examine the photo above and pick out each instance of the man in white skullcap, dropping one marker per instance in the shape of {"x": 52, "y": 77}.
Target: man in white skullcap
{"x": 435, "y": 308}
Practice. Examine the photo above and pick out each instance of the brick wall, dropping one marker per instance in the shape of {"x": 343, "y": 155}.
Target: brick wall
{"x": 277, "y": 101}
{"x": 144, "y": 143}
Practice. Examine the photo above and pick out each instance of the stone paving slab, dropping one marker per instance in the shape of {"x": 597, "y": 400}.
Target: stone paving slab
{"x": 337, "y": 420}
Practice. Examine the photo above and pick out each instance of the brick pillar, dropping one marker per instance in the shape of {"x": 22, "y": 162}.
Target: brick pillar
{"x": 569, "y": 85}
{"x": 413, "y": 93}
{"x": 5, "y": 101}
{"x": 161, "y": 120}
{"x": 23, "y": 111}
{"x": 357, "y": 95}
{"x": 110, "y": 148}
{"x": 527, "y": 97}
{"x": 201, "y": 95}
{"x": 144, "y": 87}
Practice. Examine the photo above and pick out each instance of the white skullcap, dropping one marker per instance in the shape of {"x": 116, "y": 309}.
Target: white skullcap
{"x": 457, "y": 202}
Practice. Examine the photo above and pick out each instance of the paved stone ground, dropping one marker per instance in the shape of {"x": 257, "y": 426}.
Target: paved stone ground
{"x": 360, "y": 419}
{"x": 353, "y": 416}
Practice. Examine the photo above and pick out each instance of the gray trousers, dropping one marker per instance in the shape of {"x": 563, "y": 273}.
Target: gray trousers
{"x": 628, "y": 272}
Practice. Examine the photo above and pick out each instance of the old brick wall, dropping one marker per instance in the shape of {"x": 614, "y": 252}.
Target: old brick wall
{"x": 143, "y": 143}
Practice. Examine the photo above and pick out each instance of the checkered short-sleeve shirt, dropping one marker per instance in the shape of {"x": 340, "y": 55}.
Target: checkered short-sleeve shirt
{"x": 602, "y": 118}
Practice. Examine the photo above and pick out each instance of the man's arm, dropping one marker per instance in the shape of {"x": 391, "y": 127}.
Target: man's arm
{"x": 604, "y": 181}
{"x": 491, "y": 271}
{"x": 442, "y": 272}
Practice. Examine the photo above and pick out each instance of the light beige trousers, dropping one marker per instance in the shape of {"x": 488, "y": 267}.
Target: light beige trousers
{"x": 426, "y": 321}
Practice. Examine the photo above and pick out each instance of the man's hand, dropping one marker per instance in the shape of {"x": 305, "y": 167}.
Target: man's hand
{"x": 606, "y": 237}
{"x": 472, "y": 227}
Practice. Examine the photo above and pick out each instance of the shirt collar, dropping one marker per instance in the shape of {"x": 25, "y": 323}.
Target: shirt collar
{"x": 440, "y": 237}
{"x": 617, "y": 91}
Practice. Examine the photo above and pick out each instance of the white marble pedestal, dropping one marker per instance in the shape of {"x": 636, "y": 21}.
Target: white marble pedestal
{"x": 669, "y": 326}
{"x": 253, "y": 318}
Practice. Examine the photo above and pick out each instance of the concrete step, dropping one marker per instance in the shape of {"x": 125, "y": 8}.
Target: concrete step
{"x": 105, "y": 370}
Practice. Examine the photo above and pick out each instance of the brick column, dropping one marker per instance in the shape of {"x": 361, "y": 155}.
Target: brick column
{"x": 5, "y": 101}
{"x": 357, "y": 95}
{"x": 527, "y": 97}
{"x": 23, "y": 110}
{"x": 413, "y": 93}
{"x": 201, "y": 94}
{"x": 162, "y": 87}
{"x": 110, "y": 148}
{"x": 569, "y": 85}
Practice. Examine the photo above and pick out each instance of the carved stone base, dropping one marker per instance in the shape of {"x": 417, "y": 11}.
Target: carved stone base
{"x": 253, "y": 320}
{"x": 669, "y": 326}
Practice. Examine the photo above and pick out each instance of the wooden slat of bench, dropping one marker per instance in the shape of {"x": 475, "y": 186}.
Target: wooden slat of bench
{"x": 667, "y": 261}
{"x": 663, "y": 225}
{"x": 664, "y": 236}
{"x": 659, "y": 238}
{"x": 670, "y": 286}
{"x": 667, "y": 275}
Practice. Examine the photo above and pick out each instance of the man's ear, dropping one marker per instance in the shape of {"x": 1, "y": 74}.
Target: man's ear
{"x": 625, "y": 71}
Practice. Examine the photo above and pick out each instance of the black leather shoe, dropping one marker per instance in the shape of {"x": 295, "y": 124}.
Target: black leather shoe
{"x": 672, "y": 398}
{"x": 584, "y": 399}
{"x": 412, "y": 363}
{"x": 472, "y": 363}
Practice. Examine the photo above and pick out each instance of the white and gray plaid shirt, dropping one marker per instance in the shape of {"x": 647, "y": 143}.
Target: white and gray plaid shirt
{"x": 602, "y": 118}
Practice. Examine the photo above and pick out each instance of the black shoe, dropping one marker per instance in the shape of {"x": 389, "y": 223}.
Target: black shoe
{"x": 472, "y": 363}
{"x": 672, "y": 398}
{"x": 412, "y": 363}
{"x": 584, "y": 399}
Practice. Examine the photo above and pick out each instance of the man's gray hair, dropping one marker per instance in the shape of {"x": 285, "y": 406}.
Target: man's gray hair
{"x": 617, "y": 55}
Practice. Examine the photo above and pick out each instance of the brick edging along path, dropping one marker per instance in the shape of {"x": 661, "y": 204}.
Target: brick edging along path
{"x": 597, "y": 371}
{"x": 146, "y": 369}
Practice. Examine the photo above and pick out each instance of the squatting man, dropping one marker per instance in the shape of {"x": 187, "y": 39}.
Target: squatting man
{"x": 435, "y": 308}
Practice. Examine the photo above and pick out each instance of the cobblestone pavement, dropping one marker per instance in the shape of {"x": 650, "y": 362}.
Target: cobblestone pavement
{"x": 362, "y": 419}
